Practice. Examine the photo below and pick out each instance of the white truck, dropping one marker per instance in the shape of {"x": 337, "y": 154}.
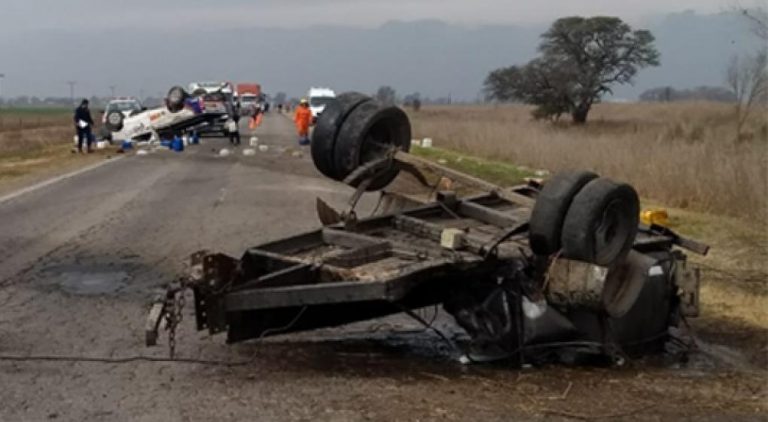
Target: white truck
{"x": 318, "y": 98}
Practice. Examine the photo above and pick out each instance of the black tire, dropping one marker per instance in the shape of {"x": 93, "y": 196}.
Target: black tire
{"x": 551, "y": 206}
{"x": 363, "y": 132}
{"x": 601, "y": 223}
{"x": 175, "y": 99}
{"x": 327, "y": 128}
{"x": 114, "y": 120}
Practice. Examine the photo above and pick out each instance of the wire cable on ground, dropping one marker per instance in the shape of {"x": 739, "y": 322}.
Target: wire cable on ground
{"x": 119, "y": 360}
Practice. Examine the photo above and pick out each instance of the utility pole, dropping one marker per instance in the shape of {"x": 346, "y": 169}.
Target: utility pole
{"x": 112, "y": 90}
{"x": 72, "y": 91}
{"x": 2, "y": 76}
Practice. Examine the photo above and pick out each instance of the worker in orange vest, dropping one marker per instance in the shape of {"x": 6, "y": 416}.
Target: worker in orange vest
{"x": 256, "y": 118}
{"x": 302, "y": 119}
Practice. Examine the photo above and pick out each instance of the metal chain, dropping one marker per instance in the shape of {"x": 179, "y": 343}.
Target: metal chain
{"x": 175, "y": 303}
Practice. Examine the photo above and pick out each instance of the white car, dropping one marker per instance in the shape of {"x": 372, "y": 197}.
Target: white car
{"x": 318, "y": 98}
{"x": 120, "y": 108}
{"x": 181, "y": 112}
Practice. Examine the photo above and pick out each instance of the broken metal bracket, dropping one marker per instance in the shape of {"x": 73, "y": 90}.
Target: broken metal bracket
{"x": 154, "y": 318}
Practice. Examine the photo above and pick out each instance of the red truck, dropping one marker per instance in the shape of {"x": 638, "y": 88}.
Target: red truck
{"x": 249, "y": 95}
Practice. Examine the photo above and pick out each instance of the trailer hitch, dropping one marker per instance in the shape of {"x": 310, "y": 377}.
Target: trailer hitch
{"x": 208, "y": 276}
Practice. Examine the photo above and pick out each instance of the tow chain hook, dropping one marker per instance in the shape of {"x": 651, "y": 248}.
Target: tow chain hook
{"x": 167, "y": 310}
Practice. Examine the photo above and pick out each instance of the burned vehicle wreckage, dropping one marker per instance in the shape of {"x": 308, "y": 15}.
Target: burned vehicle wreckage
{"x": 556, "y": 268}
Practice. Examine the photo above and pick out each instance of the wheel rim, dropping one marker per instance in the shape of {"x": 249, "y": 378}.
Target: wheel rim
{"x": 608, "y": 234}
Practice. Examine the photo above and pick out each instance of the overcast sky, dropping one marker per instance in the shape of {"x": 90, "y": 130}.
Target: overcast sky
{"x": 145, "y": 46}
{"x": 97, "y": 14}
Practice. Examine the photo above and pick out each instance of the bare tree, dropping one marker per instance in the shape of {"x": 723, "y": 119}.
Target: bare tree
{"x": 757, "y": 17}
{"x": 747, "y": 77}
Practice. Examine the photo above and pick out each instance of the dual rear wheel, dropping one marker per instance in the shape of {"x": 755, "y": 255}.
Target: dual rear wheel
{"x": 585, "y": 217}
{"x": 354, "y": 130}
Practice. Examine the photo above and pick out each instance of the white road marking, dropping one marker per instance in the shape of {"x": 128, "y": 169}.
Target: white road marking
{"x": 56, "y": 179}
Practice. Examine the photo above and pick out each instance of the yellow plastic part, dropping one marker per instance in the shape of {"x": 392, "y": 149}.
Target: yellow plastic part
{"x": 654, "y": 216}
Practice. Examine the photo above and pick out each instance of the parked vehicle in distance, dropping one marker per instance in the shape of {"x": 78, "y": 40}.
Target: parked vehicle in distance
{"x": 249, "y": 102}
{"x": 318, "y": 99}
{"x": 216, "y": 97}
{"x": 249, "y": 88}
{"x": 198, "y": 88}
{"x": 250, "y": 96}
{"x": 119, "y": 108}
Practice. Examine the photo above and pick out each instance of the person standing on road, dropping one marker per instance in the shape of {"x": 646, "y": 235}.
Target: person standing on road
{"x": 303, "y": 118}
{"x": 83, "y": 124}
{"x": 233, "y": 124}
{"x": 256, "y": 118}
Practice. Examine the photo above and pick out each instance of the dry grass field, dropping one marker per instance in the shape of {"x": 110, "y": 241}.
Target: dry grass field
{"x": 36, "y": 143}
{"x": 23, "y": 130}
{"x": 680, "y": 154}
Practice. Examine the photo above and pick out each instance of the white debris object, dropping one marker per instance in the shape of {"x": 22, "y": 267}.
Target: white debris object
{"x": 102, "y": 144}
{"x": 224, "y": 152}
{"x": 426, "y": 143}
{"x": 416, "y": 142}
{"x": 249, "y": 152}
{"x": 541, "y": 173}
{"x": 534, "y": 310}
{"x": 297, "y": 154}
{"x": 254, "y": 141}
{"x": 451, "y": 238}
{"x": 263, "y": 148}
{"x": 142, "y": 152}
{"x": 442, "y": 161}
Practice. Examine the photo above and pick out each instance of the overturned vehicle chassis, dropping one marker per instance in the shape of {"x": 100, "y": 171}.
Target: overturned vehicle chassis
{"x": 533, "y": 271}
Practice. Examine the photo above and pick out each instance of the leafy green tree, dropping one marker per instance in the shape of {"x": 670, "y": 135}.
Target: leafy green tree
{"x": 581, "y": 58}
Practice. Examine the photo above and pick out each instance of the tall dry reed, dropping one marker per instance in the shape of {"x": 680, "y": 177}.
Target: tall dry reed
{"x": 680, "y": 154}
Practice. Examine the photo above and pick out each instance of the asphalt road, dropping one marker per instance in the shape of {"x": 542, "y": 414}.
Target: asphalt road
{"x": 80, "y": 259}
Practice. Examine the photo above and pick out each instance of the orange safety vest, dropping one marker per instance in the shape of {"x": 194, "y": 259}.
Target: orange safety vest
{"x": 255, "y": 121}
{"x": 303, "y": 118}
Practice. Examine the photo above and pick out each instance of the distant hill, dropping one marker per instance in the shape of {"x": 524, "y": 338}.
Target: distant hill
{"x": 432, "y": 57}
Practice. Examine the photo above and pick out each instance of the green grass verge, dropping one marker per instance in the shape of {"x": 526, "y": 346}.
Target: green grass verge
{"x": 35, "y": 111}
{"x": 498, "y": 172}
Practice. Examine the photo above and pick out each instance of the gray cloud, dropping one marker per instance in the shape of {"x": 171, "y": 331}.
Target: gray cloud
{"x": 144, "y": 46}
{"x": 137, "y": 14}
